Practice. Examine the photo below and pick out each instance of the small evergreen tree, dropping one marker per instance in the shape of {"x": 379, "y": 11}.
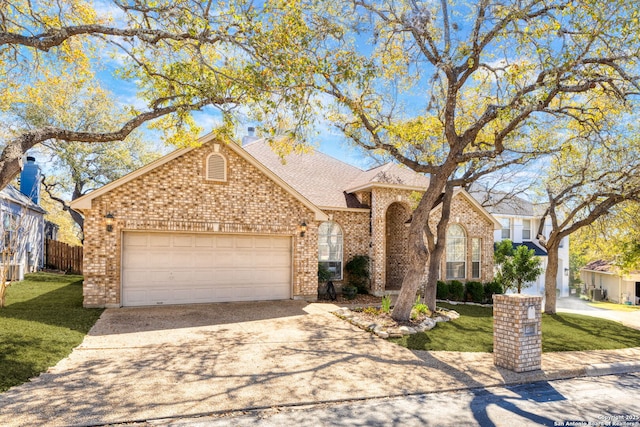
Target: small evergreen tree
{"x": 516, "y": 267}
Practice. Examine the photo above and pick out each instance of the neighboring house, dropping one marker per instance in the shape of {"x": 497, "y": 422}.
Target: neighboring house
{"x": 222, "y": 222}
{"x": 22, "y": 223}
{"x": 519, "y": 221}
{"x": 610, "y": 283}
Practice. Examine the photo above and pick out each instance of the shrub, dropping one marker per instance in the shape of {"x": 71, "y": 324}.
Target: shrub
{"x": 491, "y": 288}
{"x": 349, "y": 292}
{"x": 385, "y": 304}
{"x": 442, "y": 291}
{"x": 324, "y": 275}
{"x": 456, "y": 290}
{"x": 474, "y": 291}
{"x": 358, "y": 272}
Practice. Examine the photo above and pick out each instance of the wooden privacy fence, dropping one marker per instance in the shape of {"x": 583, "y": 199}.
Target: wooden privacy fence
{"x": 61, "y": 256}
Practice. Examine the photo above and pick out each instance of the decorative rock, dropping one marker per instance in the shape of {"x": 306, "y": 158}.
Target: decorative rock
{"x": 451, "y": 314}
{"x": 382, "y": 334}
{"x": 406, "y": 330}
{"x": 427, "y": 324}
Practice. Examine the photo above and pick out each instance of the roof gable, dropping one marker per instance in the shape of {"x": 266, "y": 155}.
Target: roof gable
{"x": 84, "y": 202}
{"x": 479, "y": 208}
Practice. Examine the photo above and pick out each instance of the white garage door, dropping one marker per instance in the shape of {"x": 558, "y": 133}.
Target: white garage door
{"x": 183, "y": 268}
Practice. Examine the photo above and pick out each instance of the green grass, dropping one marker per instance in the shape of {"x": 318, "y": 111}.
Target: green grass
{"x": 614, "y": 306}
{"x": 40, "y": 325}
{"x": 473, "y": 332}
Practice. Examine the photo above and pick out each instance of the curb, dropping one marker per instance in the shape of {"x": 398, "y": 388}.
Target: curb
{"x": 599, "y": 369}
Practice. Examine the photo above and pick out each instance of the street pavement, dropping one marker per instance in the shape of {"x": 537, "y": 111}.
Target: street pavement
{"x": 602, "y": 401}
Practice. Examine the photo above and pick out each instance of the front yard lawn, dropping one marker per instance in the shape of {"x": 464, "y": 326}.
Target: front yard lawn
{"x": 42, "y": 322}
{"x": 473, "y": 332}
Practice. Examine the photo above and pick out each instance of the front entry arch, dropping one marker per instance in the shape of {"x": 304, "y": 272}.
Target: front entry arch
{"x": 396, "y": 245}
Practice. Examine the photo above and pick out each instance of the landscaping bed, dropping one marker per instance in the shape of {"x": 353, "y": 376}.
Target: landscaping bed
{"x": 42, "y": 322}
{"x": 473, "y": 331}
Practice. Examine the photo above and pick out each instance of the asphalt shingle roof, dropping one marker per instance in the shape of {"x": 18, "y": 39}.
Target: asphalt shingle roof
{"x": 325, "y": 180}
{"x": 501, "y": 203}
{"x": 13, "y": 194}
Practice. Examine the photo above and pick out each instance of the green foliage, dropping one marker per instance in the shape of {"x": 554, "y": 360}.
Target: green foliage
{"x": 358, "y": 273}
{"x": 474, "y": 291}
{"x": 349, "y": 292}
{"x": 372, "y": 310}
{"x": 516, "y": 267}
{"x": 419, "y": 309}
{"x": 442, "y": 291}
{"x": 42, "y": 322}
{"x": 456, "y": 290}
{"x": 324, "y": 275}
{"x": 492, "y": 288}
{"x": 473, "y": 332}
{"x": 385, "y": 304}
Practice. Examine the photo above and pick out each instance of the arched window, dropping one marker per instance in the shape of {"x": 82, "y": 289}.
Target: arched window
{"x": 216, "y": 167}
{"x": 456, "y": 252}
{"x": 330, "y": 248}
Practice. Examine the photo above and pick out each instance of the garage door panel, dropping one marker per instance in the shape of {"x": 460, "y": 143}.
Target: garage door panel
{"x": 181, "y": 268}
{"x": 244, "y": 242}
{"x": 136, "y": 239}
{"x": 183, "y": 241}
{"x": 159, "y": 240}
{"x": 204, "y": 242}
{"x": 225, "y": 242}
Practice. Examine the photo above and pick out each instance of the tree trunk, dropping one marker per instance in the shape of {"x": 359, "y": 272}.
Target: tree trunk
{"x": 437, "y": 249}
{"x": 431, "y": 289}
{"x": 550, "y": 278}
{"x": 418, "y": 255}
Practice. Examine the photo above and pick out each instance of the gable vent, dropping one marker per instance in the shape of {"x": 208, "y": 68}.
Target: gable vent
{"x": 216, "y": 168}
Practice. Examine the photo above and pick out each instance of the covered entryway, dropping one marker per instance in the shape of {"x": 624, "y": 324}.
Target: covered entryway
{"x": 183, "y": 268}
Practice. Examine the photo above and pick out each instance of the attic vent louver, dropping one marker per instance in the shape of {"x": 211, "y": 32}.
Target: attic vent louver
{"x": 216, "y": 168}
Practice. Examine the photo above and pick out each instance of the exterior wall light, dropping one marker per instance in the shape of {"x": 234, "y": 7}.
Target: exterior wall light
{"x": 108, "y": 220}
{"x": 303, "y": 228}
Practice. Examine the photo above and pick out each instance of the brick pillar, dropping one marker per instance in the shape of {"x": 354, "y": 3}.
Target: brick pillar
{"x": 517, "y": 333}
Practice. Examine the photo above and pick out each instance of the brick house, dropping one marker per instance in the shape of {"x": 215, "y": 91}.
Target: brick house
{"x": 224, "y": 222}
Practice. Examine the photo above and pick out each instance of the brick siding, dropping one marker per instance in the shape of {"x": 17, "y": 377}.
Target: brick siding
{"x": 176, "y": 197}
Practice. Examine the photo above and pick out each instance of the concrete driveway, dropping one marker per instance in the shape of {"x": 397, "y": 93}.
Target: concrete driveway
{"x": 578, "y": 306}
{"x": 157, "y": 362}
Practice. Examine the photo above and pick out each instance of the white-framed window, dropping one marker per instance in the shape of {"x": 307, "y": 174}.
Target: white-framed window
{"x": 506, "y": 228}
{"x": 476, "y": 257}
{"x": 526, "y": 229}
{"x": 456, "y": 252}
{"x": 216, "y": 167}
{"x": 330, "y": 248}
{"x": 9, "y": 228}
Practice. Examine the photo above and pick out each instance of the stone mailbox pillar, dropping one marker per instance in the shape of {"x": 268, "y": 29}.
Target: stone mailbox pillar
{"x": 517, "y": 334}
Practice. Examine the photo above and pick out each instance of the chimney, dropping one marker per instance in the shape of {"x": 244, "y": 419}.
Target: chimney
{"x": 250, "y": 137}
{"x": 30, "y": 180}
